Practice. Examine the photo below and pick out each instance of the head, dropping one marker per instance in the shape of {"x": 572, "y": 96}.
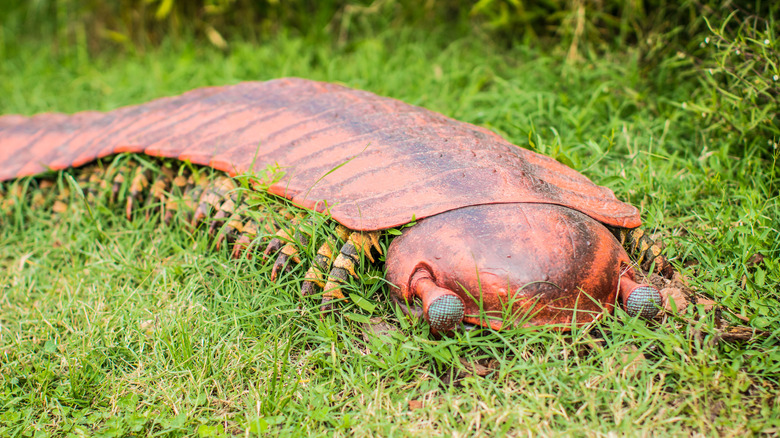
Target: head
{"x": 499, "y": 264}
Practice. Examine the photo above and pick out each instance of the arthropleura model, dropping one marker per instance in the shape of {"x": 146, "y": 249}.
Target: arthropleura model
{"x": 502, "y": 233}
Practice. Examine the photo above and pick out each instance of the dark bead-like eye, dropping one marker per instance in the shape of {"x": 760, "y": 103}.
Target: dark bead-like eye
{"x": 443, "y": 309}
{"x": 640, "y": 299}
{"x": 445, "y": 312}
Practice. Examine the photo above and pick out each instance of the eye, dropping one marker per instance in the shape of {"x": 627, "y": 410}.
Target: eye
{"x": 445, "y": 311}
{"x": 639, "y": 299}
{"x": 442, "y": 308}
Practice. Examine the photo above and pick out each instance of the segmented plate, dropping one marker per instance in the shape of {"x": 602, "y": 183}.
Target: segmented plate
{"x": 373, "y": 162}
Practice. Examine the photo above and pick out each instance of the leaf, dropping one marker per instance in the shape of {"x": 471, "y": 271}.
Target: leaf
{"x": 358, "y": 318}
{"x": 609, "y": 180}
{"x": 675, "y": 300}
{"x": 394, "y": 232}
{"x": 258, "y": 426}
{"x": 164, "y": 9}
{"x": 209, "y": 431}
{"x": 116, "y": 37}
{"x": 564, "y": 159}
{"x": 216, "y": 38}
{"x": 363, "y": 303}
{"x": 760, "y": 277}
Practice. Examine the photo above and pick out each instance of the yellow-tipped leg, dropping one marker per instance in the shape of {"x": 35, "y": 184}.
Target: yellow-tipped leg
{"x": 138, "y": 186}
{"x": 359, "y": 245}
{"x": 315, "y": 278}
{"x": 648, "y": 252}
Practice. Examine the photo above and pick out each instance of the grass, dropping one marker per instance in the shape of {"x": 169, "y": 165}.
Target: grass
{"x": 117, "y": 328}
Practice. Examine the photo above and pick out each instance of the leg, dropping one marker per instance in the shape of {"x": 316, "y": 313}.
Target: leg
{"x": 359, "y": 246}
{"x": 649, "y": 254}
{"x": 180, "y": 186}
{"x": 158, "y": 190}
{"x": 315, "y": 278}
{"x": 213, "y": 195}
{"x": 138, "y": 186}
{"x": 282, "y": 236}
{"x": 250, "y": 228}
{"x": 91, "y": 179}
{"x": 289, "y": 252}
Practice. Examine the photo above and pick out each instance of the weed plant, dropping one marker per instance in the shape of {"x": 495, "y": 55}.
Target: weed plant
{"x": 738, "y": 65}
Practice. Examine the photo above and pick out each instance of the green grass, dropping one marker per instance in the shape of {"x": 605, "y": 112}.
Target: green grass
{"x": 114, "y": 328}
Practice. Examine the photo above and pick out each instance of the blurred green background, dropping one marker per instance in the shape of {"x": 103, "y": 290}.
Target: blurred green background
{"x": 728, "y": 48}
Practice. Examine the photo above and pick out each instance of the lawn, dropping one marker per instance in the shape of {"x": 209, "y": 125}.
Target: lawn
{"x": 113, "y": 328}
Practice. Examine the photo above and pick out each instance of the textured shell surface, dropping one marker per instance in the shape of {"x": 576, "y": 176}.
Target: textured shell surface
{"x": 372, "y": 162}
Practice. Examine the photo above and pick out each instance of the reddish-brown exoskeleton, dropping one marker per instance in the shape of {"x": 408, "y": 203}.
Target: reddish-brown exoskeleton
{"x": 505, "y": 235}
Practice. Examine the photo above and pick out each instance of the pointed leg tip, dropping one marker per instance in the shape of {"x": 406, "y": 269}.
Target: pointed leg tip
{"x": 280, "y": 265}
{"x": 326, "y": 306}
{"x": 308, "y": 288}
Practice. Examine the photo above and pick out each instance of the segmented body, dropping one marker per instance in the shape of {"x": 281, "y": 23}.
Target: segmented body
{"x": 368, "y": 162}
{"x": 649, "y": 254}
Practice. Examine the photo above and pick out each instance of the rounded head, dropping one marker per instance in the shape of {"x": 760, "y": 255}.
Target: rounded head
{"x": 528, "y": 264}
